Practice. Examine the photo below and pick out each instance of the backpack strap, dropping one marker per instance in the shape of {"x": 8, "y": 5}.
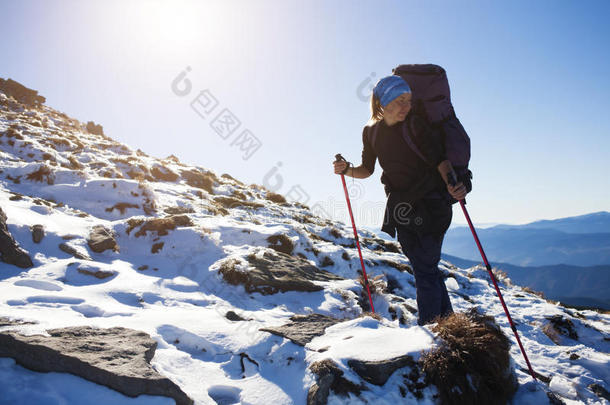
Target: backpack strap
{"x": 414, "y": 148}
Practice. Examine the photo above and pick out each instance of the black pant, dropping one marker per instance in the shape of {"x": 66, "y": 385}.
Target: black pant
{"x": 423, "y": 249}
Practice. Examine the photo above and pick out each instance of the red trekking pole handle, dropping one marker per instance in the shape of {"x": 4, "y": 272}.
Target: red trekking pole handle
{"x": 453, "y": 181}
{"x": 339, "y": 158}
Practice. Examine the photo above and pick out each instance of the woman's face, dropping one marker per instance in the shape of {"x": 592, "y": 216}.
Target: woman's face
{"x": 398, "y": 108}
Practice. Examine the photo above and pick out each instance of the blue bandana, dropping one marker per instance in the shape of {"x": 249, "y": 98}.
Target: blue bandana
{"x": 390, "y": 87}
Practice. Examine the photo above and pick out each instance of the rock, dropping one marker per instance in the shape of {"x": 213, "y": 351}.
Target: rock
{"x": 118, "y": 358}
{"x": 101, "y": 239}
{"x": 275, "y": 272}
{"x": 37, "y": 232}
{"x": 600, "y": 391}
{"x": 563, "y": 326}
{"x": 303, "y": 328}
{"x": 232, "y": 316}
{"x": 13, "y": 322}
{"x": 378, "y": 372}
{"x": 329, "y": 376}
{"x": 21, "y": 93}
{"x": 9, "y": 248}
{"x": 71, "y": 250}
{"x": 95, "y": 129}
{"x": 99, "y": 274}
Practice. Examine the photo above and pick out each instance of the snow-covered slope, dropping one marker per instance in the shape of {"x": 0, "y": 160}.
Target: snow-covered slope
{"x": 164, "y": 278}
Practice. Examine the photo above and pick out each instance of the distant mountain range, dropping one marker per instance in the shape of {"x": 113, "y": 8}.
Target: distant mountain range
{"x": 572, "y": 285}
{"x": 568, "y": 259}
{"x": 580, "y": 241}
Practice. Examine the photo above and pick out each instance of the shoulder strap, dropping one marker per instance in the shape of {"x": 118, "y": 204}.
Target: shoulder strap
{"x": 414, "y": 148}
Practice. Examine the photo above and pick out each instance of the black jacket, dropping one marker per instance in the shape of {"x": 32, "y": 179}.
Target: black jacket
{"x": 409, "y": 182}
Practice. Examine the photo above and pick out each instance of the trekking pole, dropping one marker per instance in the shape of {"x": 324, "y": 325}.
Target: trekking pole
{"x": 453, "y": 181}
{"x": 349, "y": 206}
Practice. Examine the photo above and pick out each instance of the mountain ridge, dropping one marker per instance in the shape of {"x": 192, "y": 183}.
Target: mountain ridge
{"x": 207, "y": 265}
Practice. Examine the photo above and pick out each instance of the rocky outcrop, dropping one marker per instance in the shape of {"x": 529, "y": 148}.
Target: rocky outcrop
{"x": 276, "y": 272}
{"x": 101, "y": 239}
{"x": 21, "y": 93}
{"x": 95, "y": 129}
{"x": 9, "y": 248}
{"x": 118, "y": 358}
{"x": 303, "y": 328}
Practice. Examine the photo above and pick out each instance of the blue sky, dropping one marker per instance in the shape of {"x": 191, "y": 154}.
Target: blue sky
{"x": 529, "y": 80}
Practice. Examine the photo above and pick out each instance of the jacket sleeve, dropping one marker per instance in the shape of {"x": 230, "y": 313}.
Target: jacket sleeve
{"x": 369, "y": 157}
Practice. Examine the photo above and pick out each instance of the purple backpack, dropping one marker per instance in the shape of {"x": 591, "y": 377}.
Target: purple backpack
{"x": 430, "y": 89}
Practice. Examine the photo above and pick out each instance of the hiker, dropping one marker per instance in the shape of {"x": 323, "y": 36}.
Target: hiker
{"x": 419, "y": 196}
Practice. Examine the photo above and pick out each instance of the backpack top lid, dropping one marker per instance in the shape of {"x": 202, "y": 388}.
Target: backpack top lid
{"x": 430, "y": 85}
{"x": 430, "y": 89}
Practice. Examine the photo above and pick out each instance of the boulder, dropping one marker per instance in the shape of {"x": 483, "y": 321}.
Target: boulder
{"x": 37, "y": 232}
{"x": 10, "y": 250}
{"x": 303, "y": 328}
{"x": 101, "y": 239}
{"x": 118, "y": 358}
{"x": 378, "y": 372}
{"x": 99, "y": 274}
{"x": 276, "y": 272}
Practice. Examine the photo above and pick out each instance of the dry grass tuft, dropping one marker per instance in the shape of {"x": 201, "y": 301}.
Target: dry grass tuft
{"x": 472, "y": 365}
{"x": 537, "y": 293}
{"x": 276, "y": 198}
{"x": 281, "y": 243}
{"x": 42, "y": 173}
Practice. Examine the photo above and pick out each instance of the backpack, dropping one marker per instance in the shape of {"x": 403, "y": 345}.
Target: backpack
{"x": 430, "y": 90}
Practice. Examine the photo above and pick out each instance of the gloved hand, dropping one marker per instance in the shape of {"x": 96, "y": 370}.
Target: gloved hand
{"x": 341, "y": 166}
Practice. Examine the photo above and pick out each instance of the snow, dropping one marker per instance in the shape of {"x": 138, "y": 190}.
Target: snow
{"x": 181, "y": 300}
{"x": 368, "y": 339}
